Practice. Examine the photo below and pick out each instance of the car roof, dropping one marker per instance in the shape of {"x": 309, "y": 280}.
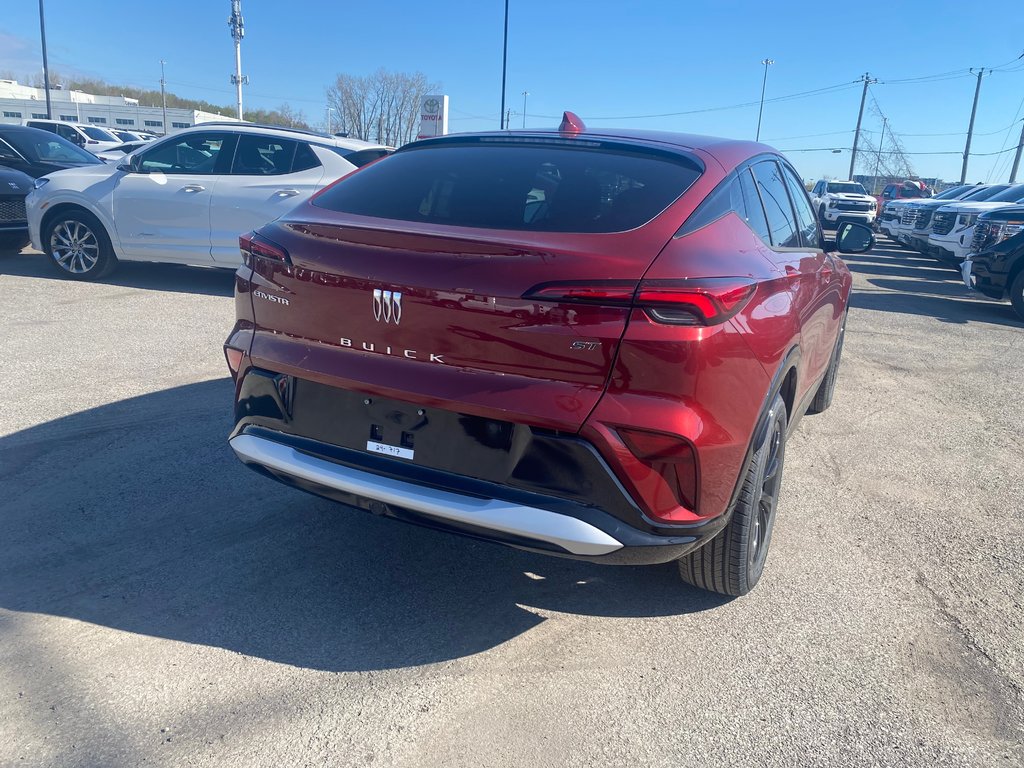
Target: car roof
{"x": 314, "y": 137}
{"x": 728, "y": 152}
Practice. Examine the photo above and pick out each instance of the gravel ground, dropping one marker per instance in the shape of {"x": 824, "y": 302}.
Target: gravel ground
{"x": 162, "y": 605}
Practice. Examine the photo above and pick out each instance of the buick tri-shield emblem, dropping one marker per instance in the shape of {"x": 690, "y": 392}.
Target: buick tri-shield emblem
{"x": 387, "y": 306}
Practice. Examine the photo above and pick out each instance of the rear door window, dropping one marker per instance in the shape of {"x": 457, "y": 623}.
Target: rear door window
{"x": 263, "y": 156}
{"x": 807, "y": 222}
{"x": 755, "y": 213}
{"x": 541, "y": 185}
{"x": 772, "y": 189}
{"x": 305, "y": 158}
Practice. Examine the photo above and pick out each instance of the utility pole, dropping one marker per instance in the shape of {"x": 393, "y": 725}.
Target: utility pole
{"x": 860, "y": 116}
{"x": 1016, "y": 158}
{"x": 525, "y": 94}
{"x": 508, "y": 119}
{"x": 329, "y": 110}
{"x": 163, "y": 94}
{"x": 46, "y": 64}
{"x": 504, "y": 69}
{"x": 970, "y": 127}
{"x": 878, "y": 160}
{"x": 237, "y": 25}
{"x": 764, "y": 82}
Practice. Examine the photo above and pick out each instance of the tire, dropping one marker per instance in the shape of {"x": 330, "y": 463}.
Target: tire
{"x": 1017, "y": 294}
{"x": 823, "y": 397}
{"x": 733, "y": 561}
{"x": 12, "y": 242}
{"x": 78, "y": 247}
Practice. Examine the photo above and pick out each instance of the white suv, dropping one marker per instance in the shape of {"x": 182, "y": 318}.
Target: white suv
{"x": 89, "y": 137}
{"x": 185, "y": 198}
{"x": 843, "y": 200}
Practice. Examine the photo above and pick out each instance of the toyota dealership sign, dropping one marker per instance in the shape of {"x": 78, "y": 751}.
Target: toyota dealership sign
{"x": 433, "y": 117}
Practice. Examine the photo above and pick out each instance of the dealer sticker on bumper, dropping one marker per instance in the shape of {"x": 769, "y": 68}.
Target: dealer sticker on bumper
{"x": 389, "y": 450}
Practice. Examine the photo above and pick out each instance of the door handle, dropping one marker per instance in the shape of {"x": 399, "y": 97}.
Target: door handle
{"x": 193, "y": 188}
{"x": 287, "y": 192}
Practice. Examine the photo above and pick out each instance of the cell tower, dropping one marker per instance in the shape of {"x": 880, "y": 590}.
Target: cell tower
{"x": 237, "y": 25}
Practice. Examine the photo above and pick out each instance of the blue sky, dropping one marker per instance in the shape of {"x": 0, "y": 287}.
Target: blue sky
{"x": 601, "y": 59}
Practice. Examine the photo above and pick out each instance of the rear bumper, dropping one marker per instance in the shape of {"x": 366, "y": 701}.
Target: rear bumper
{"x": 459, "y": 504}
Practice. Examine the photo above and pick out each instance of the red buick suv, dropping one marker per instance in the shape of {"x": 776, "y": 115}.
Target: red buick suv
{"x": 591, "y": 344}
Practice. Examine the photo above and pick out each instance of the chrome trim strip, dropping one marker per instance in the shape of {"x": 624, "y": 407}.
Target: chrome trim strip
{"x": 573, "y": 535}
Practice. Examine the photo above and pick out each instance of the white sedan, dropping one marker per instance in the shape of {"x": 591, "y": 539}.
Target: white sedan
{"x": 184, "y": 199}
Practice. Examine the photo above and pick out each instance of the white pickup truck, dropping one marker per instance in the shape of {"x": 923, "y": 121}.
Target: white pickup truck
{"x": 837, "y": 201}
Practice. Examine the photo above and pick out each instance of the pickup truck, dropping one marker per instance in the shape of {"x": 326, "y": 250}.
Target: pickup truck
{"x": 952, "y": 229}
{"x": 837, "y": 201}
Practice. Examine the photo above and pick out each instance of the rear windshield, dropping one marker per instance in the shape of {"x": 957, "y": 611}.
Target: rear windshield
{"x": 525, "y": 186}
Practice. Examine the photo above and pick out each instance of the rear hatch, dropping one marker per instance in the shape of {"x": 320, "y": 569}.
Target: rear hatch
{"x": 414, "y": 278}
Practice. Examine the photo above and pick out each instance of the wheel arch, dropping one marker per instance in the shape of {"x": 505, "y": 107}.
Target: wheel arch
{"x": 66, "y": 207}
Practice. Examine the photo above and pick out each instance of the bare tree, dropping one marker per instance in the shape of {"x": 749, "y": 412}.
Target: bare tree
{"x": 380, "y": 107}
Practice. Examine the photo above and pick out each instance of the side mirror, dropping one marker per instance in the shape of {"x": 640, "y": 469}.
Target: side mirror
{"x": 854, "y": 238}
{"x": 130, "y": 165}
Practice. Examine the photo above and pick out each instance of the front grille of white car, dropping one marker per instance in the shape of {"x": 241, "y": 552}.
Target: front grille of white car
{"x": 909, "y": 217}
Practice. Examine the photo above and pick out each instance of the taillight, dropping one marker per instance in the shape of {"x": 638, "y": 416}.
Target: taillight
{"x": 698, "y": 301}
{"x": 254, "y": 244}
{"x": 673, "y": 458}
{"x": 694, "y": 302}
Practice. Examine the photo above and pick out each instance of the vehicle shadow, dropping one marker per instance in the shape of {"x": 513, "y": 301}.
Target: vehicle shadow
{"x": 926, "y": 288}
{"x": 154, "y": 527}
{"x": 176, "y": 278}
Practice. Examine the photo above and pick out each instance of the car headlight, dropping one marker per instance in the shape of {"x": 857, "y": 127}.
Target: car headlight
{"x": 873, "y": 205}
{"x": 42, "y": 181}
{"x": 832, "y": 203}
{"x": 967, "y": 219}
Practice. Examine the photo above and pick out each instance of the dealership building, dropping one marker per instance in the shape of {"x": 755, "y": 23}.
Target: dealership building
{"x": 21, "y": 102}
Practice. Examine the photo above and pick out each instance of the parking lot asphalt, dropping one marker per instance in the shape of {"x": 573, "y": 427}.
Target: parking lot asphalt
{"x": 162, "y": 605}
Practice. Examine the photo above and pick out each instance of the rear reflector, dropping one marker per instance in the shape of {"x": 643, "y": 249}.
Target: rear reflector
{"x": 671, "y": 457}
{"x": 254, "y": 244}
{"x": 234, "y": 358}
{"x": 700, "y": 301}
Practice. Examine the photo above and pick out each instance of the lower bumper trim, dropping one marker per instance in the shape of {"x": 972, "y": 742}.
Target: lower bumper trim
{"x": 568, "y": 533}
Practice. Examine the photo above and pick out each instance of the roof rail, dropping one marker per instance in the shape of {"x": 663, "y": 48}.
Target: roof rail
{"x": 245, "y": 124}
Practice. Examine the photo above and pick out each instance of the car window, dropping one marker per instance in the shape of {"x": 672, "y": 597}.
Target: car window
{"x": 262, "y": 156}
{"x": 755, "y": 212}
{"x": 364, "y": 156}
{"x": 846, "y": 188}
{"x": 725, "y": 198}
{"x": 772, "y": 190}
{"x": 509, "y": 184}
{"x": 69, "y": 133}
{"x": 194, "y": 153}
{"x": 807, "y": 222}
{"x": 98, "y": 134}
{"x": 305, "y": 158}
{"x": 47, "y": 147}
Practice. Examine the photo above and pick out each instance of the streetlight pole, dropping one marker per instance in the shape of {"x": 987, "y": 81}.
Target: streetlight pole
{"x": 525, "y": 94}
{"x": 163, "y": 94}
{"x": 329, "y": 110}
{"x": 504, "y": 69}
{"x": 46, "y": 65}
{"x": 764, "y": 82}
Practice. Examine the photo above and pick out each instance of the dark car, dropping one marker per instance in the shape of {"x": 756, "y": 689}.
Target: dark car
{"x": 14, "y": 185}
{"x": 37, "y": 152}
{"x": 998, "y": 261}
{"x": 587, "y": 344}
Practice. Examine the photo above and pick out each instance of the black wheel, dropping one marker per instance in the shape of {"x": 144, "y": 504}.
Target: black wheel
{"x": 823, "y": 397}
{"x": 78, "y": 246}
{"x": 732, "y": 562}
{"x": 12, "y": 242}
{"x": 1017, "y": 294}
